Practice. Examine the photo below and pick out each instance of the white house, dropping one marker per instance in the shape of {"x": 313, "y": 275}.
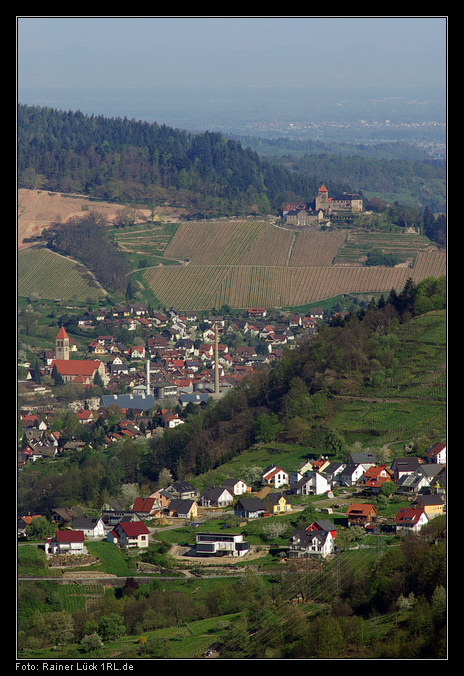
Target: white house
{"x": 304, "y": 543}
{"x": 437, "y": 453}
{"x": 129, "y": 534}
{"x": 410, "y": 519}
{"x": 235, "y": 486}
{"x": 312, "y": 483}
{"x": 66, "y": 542}
{"x": 221, "y": 544}
{"x": 92, "y": 528}
{"x": 351, "y": 474}
{"x": 274, "y": 476}
{"x": 216, "y": 497}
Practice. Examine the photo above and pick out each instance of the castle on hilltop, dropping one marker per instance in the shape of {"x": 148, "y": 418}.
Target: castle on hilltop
{"x": 318, "y": 212}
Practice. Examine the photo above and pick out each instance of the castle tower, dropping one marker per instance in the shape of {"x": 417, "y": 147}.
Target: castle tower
{"x": 62, "y": 345}
{"x": 322, "y": 198}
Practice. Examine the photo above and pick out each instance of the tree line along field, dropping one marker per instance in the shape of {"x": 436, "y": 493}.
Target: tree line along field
{"x": 243, "y": 263}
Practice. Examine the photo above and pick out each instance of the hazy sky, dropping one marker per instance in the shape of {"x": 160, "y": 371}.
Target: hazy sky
{"x": 230, "y": 51}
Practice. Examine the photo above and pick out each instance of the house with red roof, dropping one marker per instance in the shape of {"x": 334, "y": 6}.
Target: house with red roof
{"x": 359, "y": 514}
{"x": 66, "y": 542}
{"x": 410, "y": 519}
{"x": 437, "y": 453}
{"x": 374, "y": 477}
{"x": 275, "y": 477}
{"x": 147, "y": 507}
{"x": 129, "y": 534}
{"x": 85, "y": 416}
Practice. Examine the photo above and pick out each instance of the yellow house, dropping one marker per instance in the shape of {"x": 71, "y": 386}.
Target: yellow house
{"x": 276, "y": 503}
{"x": 431, "y": 504}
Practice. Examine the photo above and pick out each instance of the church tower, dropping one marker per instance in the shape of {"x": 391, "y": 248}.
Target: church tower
{"x": 62, "y": 345}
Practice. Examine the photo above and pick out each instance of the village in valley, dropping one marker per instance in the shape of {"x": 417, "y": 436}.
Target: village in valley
{"x": 182, "y": 361}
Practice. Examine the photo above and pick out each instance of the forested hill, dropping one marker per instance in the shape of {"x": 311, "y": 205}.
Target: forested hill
{"x": 122, "y": 159}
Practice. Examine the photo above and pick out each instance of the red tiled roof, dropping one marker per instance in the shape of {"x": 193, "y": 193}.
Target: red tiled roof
{"x": 408, "y": 515}
{"x": 69, "y": 536}
{"x": 143, "y": 504}
{"x": 133, "y": 528}
{"x": 78, "y": 367}
{"x": 62, "y": 333}
{"x": 360, "y": 508}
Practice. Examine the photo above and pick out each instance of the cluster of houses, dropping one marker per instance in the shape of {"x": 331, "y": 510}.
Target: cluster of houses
{"x": 177, "y": 363}
{"x": 422, "y": 480}
{"x": 186, "y": 365}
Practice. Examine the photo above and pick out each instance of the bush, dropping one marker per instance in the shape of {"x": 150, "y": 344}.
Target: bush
{"x": 91, "y": 642}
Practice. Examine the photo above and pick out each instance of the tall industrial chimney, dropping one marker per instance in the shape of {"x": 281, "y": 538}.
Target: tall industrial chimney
{"x": 216, "y": 363}
{"x": 148, "y": 377}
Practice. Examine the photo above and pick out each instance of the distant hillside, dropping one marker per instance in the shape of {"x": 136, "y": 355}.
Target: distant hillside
{"x": 124, "y": 160}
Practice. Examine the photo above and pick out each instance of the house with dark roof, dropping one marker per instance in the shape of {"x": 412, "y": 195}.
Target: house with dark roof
{"x": 181, "y": 489}
{"x": 276, "y": 503}
{"x": 305, "y": 543}
{"x": 236, "y": 486}
{"x": 249, "y": 508}
{"x": 182, "y": 509}
{"x": 402, "y": 466}
{"x": 431, "y": 504}
{"x": 137, "y": 402}
{"x": 217, "y": 496}
{"x": 92, "y": 528}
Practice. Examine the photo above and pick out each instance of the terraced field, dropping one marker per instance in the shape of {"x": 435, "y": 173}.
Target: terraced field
{"x": 206, "y": 264}
{"x": 243, "y": 263}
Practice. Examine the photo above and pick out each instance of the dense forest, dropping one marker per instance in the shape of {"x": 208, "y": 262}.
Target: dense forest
{"x": 395, "y": 168}
{"x": 123, "y": 160}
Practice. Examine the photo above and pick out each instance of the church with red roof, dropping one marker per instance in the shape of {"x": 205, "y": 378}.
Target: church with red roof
{"x": 78, "y": 371}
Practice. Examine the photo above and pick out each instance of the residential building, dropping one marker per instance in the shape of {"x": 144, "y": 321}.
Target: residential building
{"x": 249, "y": 508}
{"x": 216, "y": 497}
{"x": 360, "y": 513}
{"x": 437, "y": 453}
{"x": 182, "y": 508}
{"x": 147, "y": 508}
{"x": 66, "y": 542}
{"x": 129, "y": 534}
{"x": 306, "y": 543}
{"x": 92, "y": 528}
{"x": 312, "y": 483}
{"x": 275, "y": 477}
{"x": 410, "y": 519}
{"x": 432, "y": 505}
{"x": 220, "y": 544}
{"x": 236, "y": 486}
{"x": 276, "y": 503}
